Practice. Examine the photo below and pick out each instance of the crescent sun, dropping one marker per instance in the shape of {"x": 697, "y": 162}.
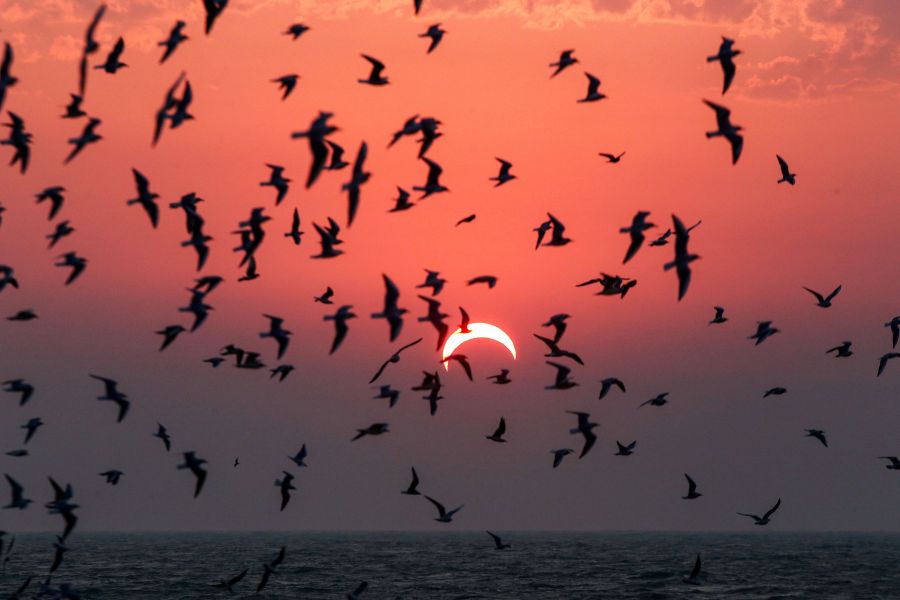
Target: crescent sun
{"x": 476, "y": 331}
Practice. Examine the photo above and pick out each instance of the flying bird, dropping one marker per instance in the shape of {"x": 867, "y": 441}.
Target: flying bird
{"x": 585, "y": 428}
{"x": 775, "y": 391}
{"x": 111, "y": 393}
{"x": 20, "y": 139}
{"x": 195, "y": 465}
{"x": 325, "y": 298}
{"x": 171, "y": 43}
{"x": 786, "y": 174}
{"x": 88, "y": 136}
{"x": 497, "y": 436}
{"x": 498, "y": 543}
{"x": 77, "y": 263}
{"x": 434, "y": 281}
{"x": 169, "y": 334}
{"x": 639, "y": 225}
{"x": 388, "y": 393}
{"x": 113, "y": 60}
{"x": 401, "y": 202}
{"x": 559, "y": 455}
{"x": 375, "y": 75}
{"x": 436, "y": 318}
{"x": 90, "y": 47}
{"x": 818, "y": 434}
{"x": 391, "y": 312}
{"x": 436, "y": 34}
{"x": 214, "y": 9}
{"x": 31, "y": 427}
{"x": 561, "y": 381}
{"x": 73, "y": 108}
{"x": 444, "y": 515}
{"x": 62, "y": 230}
{"x": 565, "y": 60}
{"x": 692, "y": 493}
{"x": 112, "y": 476}
{"x": 694, "y": 576}
{"x": 373, "y": 429}
{"x": 725, "y": 129}
{"x": 463, "y": 361}
{"x": 893, "y": 325}
{"x": 17, "y": 495}
{"x": 358, "y": 592}
{"x": 23, "y": 315}
{"x": 893, "y": 462}
{"x": 316, "y": 135}
{"x": 145, "y": 197}
{"x": 19, "y": 386}
{"x": 6, "y": 78}
{"x": 433, "y": 182}
{"x": 490, "y": 280}
{"x": 824, "y": 301}
{"x": 612, "y": 158}
{"x": 683, "y": 258}
{"x": 720, "y": 316}
{"x": 296, "y": 30}
{"x": 841, "y": 351}
{"x": 468, "y": 219}
{"x": 412, "y": 489}
{"x": 285, "y": 485}
{"x": 269, "y": 569}
{"x": 764, "y": 520}
{"x": 607, "y": 384}
{"x": 624, "y": 450}
{"x": 504, "y": 175}
{"x": 594, "y": 94}
{"x": 337, "y": 157}
{"x": 163, "y": 434}
{"x": 764, "y": 330}
{"x": 228, "y": 584}
{"x": 352, "y": 187}
{"x": 725, "y": 56}
{"x": 558, "y": 322}
{"x": 340, "y": 319}
{"x": 278, "y": 333}
{"x": 299, "y": 459}
{"x": 286, "y": 83}
{"x": 883, "y": 361}
{"x": 556, "y": 352}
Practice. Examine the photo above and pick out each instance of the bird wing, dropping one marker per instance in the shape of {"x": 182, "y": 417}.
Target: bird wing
{"x": 772, "y": 510}
{"x": 441, "y": 510}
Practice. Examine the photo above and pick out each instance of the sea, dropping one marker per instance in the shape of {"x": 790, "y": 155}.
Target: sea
{"x": 462, "y": 565}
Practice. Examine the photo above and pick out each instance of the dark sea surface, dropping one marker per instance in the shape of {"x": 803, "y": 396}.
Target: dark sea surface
{"x": 445, "y": 566}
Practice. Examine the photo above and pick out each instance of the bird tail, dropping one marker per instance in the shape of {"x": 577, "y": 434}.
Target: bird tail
{"x": 669, "y": 265}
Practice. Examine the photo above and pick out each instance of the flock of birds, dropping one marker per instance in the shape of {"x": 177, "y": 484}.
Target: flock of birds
{"x": 327, "y": 155}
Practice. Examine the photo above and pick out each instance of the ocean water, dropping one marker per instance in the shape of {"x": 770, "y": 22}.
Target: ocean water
{"x": 455, "y": 566}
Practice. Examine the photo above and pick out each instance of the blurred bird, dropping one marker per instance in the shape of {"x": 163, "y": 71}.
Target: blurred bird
{"x": 593, "y": 94}
{"x": 842, "y": 351}
{"x": 607, "y": 384}
{"x": 412, "y": 489}
{"x": 145, "y": 197}
{"x": 171, "y": 43}
{"x": 818, "y": 434}
{"x": 436, "y": 34}
{"x": 559, "y": 455}
{"x": 725, "y": 56}
{"x": 391, "y": 312}
{"x": 497, "y": 436}
{"x": 31, "y": 427}
{"x": 296, "y": 30}
{"x": 285, "y": 484}
{"x": 504, "y": 175}
{"x": 565, "y": 60}
{"x": 562, "y": 381}
{"x": 883, "y": 361}
{"x": 88, "y": 136}
{"x": 764, "y": 330}
{"x": 19, "y": 386}
{"x": 112, "y": 476}
{"x": 612, "y": 158}
{"x": 720, "y": 316}
{"x": 375, "y": 75}
{"x": 169, "y": 334}
{"x": 683, "y": 258}
{"x": 585, "y": 428}
{"x": 6, "y": 77}
{"x": 692, "y": 493}
{"x": 727, "y": 130}
{"x": 444, "y": 515}
{"x": 824, "y": 301}
{"x": 214, "y": 9}
{"x": 764, "y": 520}
{"x": 502, "y": 378}
{"x": 636, "y": 231}
{"x": 111, "y": 393}
{"x": 113, "y": 60}
{"x": 389, "y": 393}
{"x": 775, "y": 391}
{"x": 373, "y": 429}
{"x": 77, "y": 263}
{"x": 163, "y": 434}
{"x": 498, "y": 543}
{"x": 340, "y": 319}
{"x": 278, "y": 333}
{"x": 195, "y": 465}
{"x": 286, "y": 83}
{"x": 625, "y": 450}
{"x": 299, "y": 459}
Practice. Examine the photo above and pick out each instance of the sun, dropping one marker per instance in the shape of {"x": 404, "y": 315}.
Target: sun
{"x": 477, "y": 331}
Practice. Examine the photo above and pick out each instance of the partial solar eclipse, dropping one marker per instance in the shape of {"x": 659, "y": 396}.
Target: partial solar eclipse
{"x": 477, "y": 331}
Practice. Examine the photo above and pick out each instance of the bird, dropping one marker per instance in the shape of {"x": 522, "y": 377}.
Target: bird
{"x": 497, "y": 436}
{"x": 352, "y": 187}
{"x": 490, "y": 280}
{"x": 411, "y": 126}
{"x": 88, "y": 136}
{"x": 818, "y": 434}
{"x": 725, "y": 129}
{"x": 386, "y": 391}
{"x": 556, "y": 232}
{"x": 279, "y": 182}
{"x": 764, "y": 330}
{"x": 692, "y": 493}
{"x": 498, "y": 543}
{"x": 893, "y": 462}
{"x": 327, "y": 242}
{"x": 842, "y": 351}
{"x": 163, "y": 434}
{"x": 786, "y": 174}
{"x": 593, "y": 94}
{"x": 23, "y": 315}
{"x": 171, "y": 103}
{"x": 373, "y": 429}
{"x": 417, "y": 6}
{"x": 625, "y": 450}
{"x": 17, "y": 497}
{"x": 542, "y": 230}
{"x": 501, "y": 378}
{"x": 434, "y": 281}
{"x": 585, "y": 427}
{"x": 20, "y": 139}
{"x": 356, "y": 593}
{"x": 402, "y": 202}
{"x": 636, "y": 231}
{"x": 7, "y": 277}
{"x": 559, "y": 455}
{"x": 504, "y": 175}
{"x": 558, "y": 322}
{"x": 436, "y": 34}
{"x": 337, "y": 157}
{"x": 61, "y": 505}
{"x": 281, "y": 371}
{"x": 286, "y": 83}
{"x": 215, "y": 361}
{"x": 113, "y": 60}
{"x": 824, "y": 301}
{"x": 340, "y": 319}
{"x": 31, "y": 427}
{"x": 375, "y": 77}
{"x": 463, "y": 361}
{"x": 60, "y": 549}
{"x": 112, "y": 476}
{"x": 725, "y": 56}
{"x": 73, "y": 108}
{"x": 444, "y": 515}
{"x": 556, "y": 352}
{"x": 6, "y": 78}
{"x": 77, "y": 263}
{"x": 195, "y": 465}
{"x": 436, "y": 318}
{"x": 299, "y": 459}
{"x": 432, "y": 183}
{"x": 145, "y": 197}
{"x": 764, "y": 520}
{"x": 90, "y": 47}
{"x": 412, "y": 489}
{"x": 468, "y": 219}
{"x": 562, "y": 381}
{"x": 775, "y": 391}
{"x": 171, "y": 43}
{"x": 19, "y": 386}
{"x": 228, "y": 584}
{"x": 883, "y": 361}
{"x": 269, "y": 569}
{"x": 111, "y": 393}
{"x": 607, "y": 384}
{"x": 285, "y": 484}
{"x": 296, "y": 30}
{"x": 694, "y": 577}
{"x": 278, "y": 333}
{"x": 391, "y": 312}
{"x": 325, "y": 298}
{"x": 316, "y": 135}
{"x": 55, "y": 195}
{"x": 659, "y": 400}
{"x": 169, "y": 334}
{"x": 612, "y": 158}
{"x": 893, "y": 324}
{"x": 720, "y": 316}
{"x": 214, "y": 9}
{"x": 683, "y": 258}
{"x": 565, "y": 60}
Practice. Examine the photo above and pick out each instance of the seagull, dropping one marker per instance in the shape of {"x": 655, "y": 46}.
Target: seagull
{"x": 612, "y": 158}
{"x": 504, "y": 175}
{"x": 444, "y": 516}
{"x": 497, "y": 436}
{"x": 17, "y": 453}
{"x": 214, "y": 10}
{"x": 269, "y": 569}
{"x": 720, "y": 316}
{"x": 77, "y": 263}
{"x": 468, "y": 219}
{"x": 73, "y": 108}
{"x": 893, "y": 324}
{"x": 145, "y": 197}
{"x": 325, "y": 298}
{"x": 163, "y": 434}
{"x": 412, "y": 490}
{"x": 765, "y": 518}
{"x": 565, "y": 60}
{"x": 286, "y": 486}
{"x": 389, "y": 393}
{"x": 883, "y": 361}
{"x": 373, "y": 429}
{"x": 694, "y": 577}
{"x": 541, "y": 230}
{"x": 636, "y": 231}
{"x": 842, "y": 351}
{"x": 90, "y": 47}
{"x": 402, "y": 202}
{"x": 436, "y": 34}
{"x": 559, "y": 455}
{"x": 411, "y": 126}
{"x": 17, "y": 498}
{"x": 355, "y": 594}
{"x": 340, "y": 319}
{"x": 8, "y": 279}
{"x": 299, "y": 458}
{"x": 659, "y": 400}
{"x": 558, "y": 322}
{"x": 169, "y": 334}
{"x": 502, "y": 378}
{"x": 607, "y": 384}
{"x": 432, "y": 183}
{"x": 391, "y": 311}
{"x": 111, "y": 393}
{"x": 88, "y": 136}
{"x": 726, "y": 130}
{"x": 683, "y": 258}
{"x": 893, "y": 462}
{"x": 60, "y": 549}
{"x": 725, "y": 56}
{"x": 316, "y": 134}
{"x": 18, "y": 594}
{"x": 197, "y": 307}
{"x": 20, "y": 140}
{"x": 775, "y": 391}
{"x": 375, "y": 76}
{"x": 23, "y": 315}
{"x": 170, "y": 102}
{"x": 60, "y": 505}
{"x": 463, "y": 361}
{"x": 176, "y": 37}
{"x": 278, "y": 181}
{"x": 562, "y": 381}
{"x": 113, "y": 62}
{"x": 692, "y": 493}
{"x": 764, "y": 330}
{"x": 429, "y": 128}
{"x": 55, "y": 196}
{"x": 786, "y": 174}
{"x": 287, "y": 83}
{"x": 824, "y": 301}
{"x": 498, "y": 543}
{"x": 625, "y": 450}
{"x": 278, "y": 333}
{"x": 436, "y": 318}
{"x": 21, "y": 387}
{"x": 556, "y": 351}
{"x": 352, "y": 187}
{"x": 30, "y": 427}
{"x": 228, "y": 584}
{"x": 818, "y": 434}
{"x": 556, "y": 233}
{"x": 281, "y": 371}
{"x": 337, "y": 157}
{"x": 6, "y": 78}
{"x": 585, "y": 428}
{"x": 593, "y": 93}
{"x": 215, "y": 361}
{"x": 195, "y": 465}
{"x": 327, "y": 242}
{"x": 490, "y": 280}
{"x": 112, "y": 476}
{"x": 296, "y": 30}
{"x": 434, "y": 281}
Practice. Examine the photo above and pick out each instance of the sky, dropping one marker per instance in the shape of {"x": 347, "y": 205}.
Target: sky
{"x": 817, "y": 82}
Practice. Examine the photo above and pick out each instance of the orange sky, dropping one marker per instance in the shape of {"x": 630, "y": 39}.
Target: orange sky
{"x": 817, "y": 83}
